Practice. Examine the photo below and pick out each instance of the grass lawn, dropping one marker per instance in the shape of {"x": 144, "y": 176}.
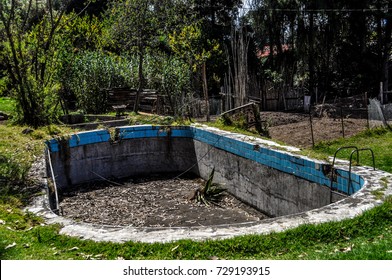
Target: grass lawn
{"x": 379, "y": 140}
{"x": 7, "y": 105}
{"x": 368, "y": 236}
{"x": 24, "y": 236}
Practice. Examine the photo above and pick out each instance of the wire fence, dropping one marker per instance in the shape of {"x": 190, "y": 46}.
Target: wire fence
{"x": 337, "y": 121}
{"x": 328, "y": 121}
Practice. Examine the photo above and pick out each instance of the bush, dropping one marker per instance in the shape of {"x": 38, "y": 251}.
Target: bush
{"x": 176, "y": 79}
{"x": 91, "y": 73}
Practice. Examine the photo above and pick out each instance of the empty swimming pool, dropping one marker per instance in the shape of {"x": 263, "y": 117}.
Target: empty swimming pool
{"x": 289, "y": 188}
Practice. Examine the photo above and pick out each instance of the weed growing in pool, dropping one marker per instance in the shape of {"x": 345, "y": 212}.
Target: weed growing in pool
{"x": 210, "y": 193}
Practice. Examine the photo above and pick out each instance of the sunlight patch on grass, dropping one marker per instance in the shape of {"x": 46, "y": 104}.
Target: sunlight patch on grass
{"x": 7, "y": 105}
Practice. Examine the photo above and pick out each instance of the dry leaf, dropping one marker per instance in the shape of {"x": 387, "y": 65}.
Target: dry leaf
{"x": 155, "y": 202}
{"x": 10, "y": 246}
{"x": 347, "y": 249}
{"x": 175, "y": 248}
{"x": 74, "y": 249}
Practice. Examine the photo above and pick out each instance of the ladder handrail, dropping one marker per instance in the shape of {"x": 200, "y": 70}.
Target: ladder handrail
{"x": 351, "y": 156}
{"x": 355, "y": 150}
{"x": 333, "y": 164}
{"x": 371, "y": 151}
{"x": 342, "y": 148}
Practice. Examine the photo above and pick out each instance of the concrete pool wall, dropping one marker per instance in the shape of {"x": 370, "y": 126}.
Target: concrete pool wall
{"x": 374, "y": 186}
{"x": 270, "y": 179}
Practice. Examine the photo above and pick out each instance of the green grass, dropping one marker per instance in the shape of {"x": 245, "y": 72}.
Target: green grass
{"x": 24, "y": 236}
{"x": 235, "y": 128}
{"x": 7, "y": 105}
{"x": 368, "y": 236}
{"x": 18, "y": 151}
{"x": 379, "y": 140}
{"x": 16, "y": 154}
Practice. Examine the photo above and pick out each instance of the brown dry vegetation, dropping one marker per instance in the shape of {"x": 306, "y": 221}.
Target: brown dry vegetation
{"x": 153, "y": 202}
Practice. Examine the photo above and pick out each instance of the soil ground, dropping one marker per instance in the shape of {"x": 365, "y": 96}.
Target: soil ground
{"x": 294, "y": 128}
{"x": 153, "y": 202}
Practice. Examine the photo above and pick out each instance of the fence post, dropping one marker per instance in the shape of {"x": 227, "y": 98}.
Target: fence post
{"x": 341, "y": 117}
{"x": 311, "y": 125}
{"x": 367, "y": 110}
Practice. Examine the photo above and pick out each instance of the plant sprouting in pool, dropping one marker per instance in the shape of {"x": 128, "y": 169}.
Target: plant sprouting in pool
{"x": 210, "y": 192}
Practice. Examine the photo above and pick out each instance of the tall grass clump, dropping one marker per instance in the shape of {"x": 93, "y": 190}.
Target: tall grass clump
{"x": 19, "y": 148}
{"x": 17, "y": 152}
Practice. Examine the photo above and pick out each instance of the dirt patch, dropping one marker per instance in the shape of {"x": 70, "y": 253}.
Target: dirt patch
{"x": 152, "y": 202}
{"x": 295, "y": 129}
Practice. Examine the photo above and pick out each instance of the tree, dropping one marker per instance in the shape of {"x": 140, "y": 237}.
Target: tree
{"x": 191, "y": 46}
{"x": 238, "y": 60}
{"x": 337, "y": 48}
{"x": 95, "y": 8}
{"x": 137, "y": 29}
{"x": 30, "y": 48}
{"x": 28, "y": 37}
{"x": 216, "y": 13}
{"x": 215, "y": 18}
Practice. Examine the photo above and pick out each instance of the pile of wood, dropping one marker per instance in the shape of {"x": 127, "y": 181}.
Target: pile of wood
{"x": 121, "y": 99}
{"x": 252, "y": 117}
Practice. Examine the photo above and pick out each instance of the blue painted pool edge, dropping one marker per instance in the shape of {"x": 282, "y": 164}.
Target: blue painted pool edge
{"x": 234, "y": 143}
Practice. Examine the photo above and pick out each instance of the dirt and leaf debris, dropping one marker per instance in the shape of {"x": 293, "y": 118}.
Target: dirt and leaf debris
{"x": 152, "y": 202}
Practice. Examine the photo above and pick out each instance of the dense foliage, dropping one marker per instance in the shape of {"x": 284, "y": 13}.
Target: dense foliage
{"x": 338, "y": 48}
{"x": 54, "y": 51}
{"x": 57, "y": 52}
{"x": 30, "y": 48}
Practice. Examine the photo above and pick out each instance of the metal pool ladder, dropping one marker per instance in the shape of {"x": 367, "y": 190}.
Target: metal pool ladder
{"x": 355, "y": 150}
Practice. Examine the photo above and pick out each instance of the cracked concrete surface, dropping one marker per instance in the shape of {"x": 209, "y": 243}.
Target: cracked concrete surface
{"x": 375, "y": 181}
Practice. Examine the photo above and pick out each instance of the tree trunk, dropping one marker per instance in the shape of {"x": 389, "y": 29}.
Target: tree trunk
{"x": 141, "y": 79}
{"x": 205, "y": 91}
{"x": 239, "y": 47}
{"x": 311, "y": 56}
{"x": 386, "y": 54}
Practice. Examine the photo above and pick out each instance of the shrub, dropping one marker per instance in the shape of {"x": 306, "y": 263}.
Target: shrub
{"x": 91, "y": 73}
{"x": 210, "y": 193}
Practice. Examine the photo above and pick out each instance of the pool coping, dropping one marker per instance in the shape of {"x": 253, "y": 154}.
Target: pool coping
{"x": 352, "y": 206}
